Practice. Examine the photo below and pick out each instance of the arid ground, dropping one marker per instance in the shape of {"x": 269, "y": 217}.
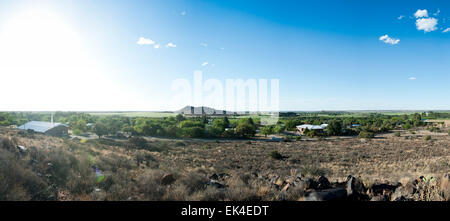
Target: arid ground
{"x": 157, "y": 169}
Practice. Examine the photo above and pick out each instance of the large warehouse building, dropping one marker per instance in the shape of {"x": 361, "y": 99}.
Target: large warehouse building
{"x": 50, "y": 128}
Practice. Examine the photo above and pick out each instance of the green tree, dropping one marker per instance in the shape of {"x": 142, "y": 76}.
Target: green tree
{"x": 278, "y": 129}
{"x": 334, "y": 128}
{"x": 266, "y": 130}
{"x": 100, "y": 129}
{"x": 180, "y": 118}
{"x": 245, "y": 130}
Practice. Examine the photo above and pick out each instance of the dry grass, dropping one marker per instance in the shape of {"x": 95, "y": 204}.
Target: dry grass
{"x": 133, "y": 173}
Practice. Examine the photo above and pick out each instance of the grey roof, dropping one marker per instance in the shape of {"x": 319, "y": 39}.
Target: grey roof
{"x": 313, "y": 127}
{"x": 40, "y": 126}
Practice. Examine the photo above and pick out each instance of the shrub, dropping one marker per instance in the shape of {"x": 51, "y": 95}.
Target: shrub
{"x": 313, "y": 170}
{"x": 17, "y": 182}
{"x": 366, "y": 134}
{"x": 77, "y": 132}
{"x": 276, "y": 155}
{"x": 428, "y": 137}
{"x": 245, "y": 130}
{"x": 149, "y": 185}
{"x": 137, "y": 142}
{"x": 7, "y": 143}
{"x": 397, "y": 134}
{"x": 194, "y": 182}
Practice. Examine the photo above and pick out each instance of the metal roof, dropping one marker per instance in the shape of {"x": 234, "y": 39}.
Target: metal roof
{"x": 313, "y": 127}
{"x": 40, "y": 126}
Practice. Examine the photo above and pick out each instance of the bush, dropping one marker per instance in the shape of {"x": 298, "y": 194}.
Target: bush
{"x": 17, "y": 182}
{"x": 77, "y": 132}
{"x": 137, "y": 142}
{"x": 428, "y": 137}
{"x": 149, "y": 185}
{"x": 194, "y": 182}
{"x": 397, "y": 134}
{"x": 276, "y": 155}
{"x": 366, "y": 134}
{"x": 245, "y": 130}
{"x": 313, "y": 170}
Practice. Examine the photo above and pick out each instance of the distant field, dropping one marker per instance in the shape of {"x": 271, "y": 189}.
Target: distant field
{"x": 168, "y": 114}
{"x": 136, "y": 114}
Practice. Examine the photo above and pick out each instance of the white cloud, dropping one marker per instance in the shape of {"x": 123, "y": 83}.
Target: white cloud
{"x": 388, "y": 40}
{"x": 183, "y": 13}
{"x": 421, "y": 13}
{"x": 204, "y": 64}
{"x": 145, "y": 41}
{"x": 412, "y": 78}
{"x": 203, "y": 44}
{"x": 156, "y": 46}
{"x": 400, "y": 17}
{"x": 446, "y": 30}
{"x": 171, "y": 45}
{"x": 222, "y": 48}
{"x": 426, "y": 24}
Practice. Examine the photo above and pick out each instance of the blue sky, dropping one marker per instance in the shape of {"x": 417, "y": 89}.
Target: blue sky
{"x": 327, "y": 55}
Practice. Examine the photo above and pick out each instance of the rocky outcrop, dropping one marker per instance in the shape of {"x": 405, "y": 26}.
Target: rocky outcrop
{"x": 319, "y": 188}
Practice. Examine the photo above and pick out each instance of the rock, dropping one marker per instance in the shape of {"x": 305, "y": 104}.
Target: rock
{"x": 310, "y": 184}
{"x": 279, "y": 182}
{"x": 323, "y": 183}
{"x": 167, "y": 179}
{"x": 381, "y": 189}
{"x": 214, "y": 177}
{"x": 286, "y": 187}
{"x": 355, "y": 188}
{"x": 216, "y": 184}
{"x": 300, "y": 184}
{"x": 380, "y": 198}
{"x": 404, "y": 192}
{"x": 224, "y": 176}
{"x": 445, "y": 186}
{"x": 327, "y": 195}
{"x": 290, "y": 180}
{"x": 21, "y": 148}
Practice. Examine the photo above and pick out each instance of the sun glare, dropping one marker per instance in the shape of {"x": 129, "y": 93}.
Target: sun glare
{"x": 42, "y": 61}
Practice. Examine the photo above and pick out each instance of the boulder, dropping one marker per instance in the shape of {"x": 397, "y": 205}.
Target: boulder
{"x": 380, "y": 198}
{"x": 309, "y": 183}
{"x": 286, "y": 187}
{"x": 445, "y": 186}
{"x": 216, "y": 184}
{"x": 381, "y": 189}
{"x": 404, "y": 192}
{"x": 300, "y": 184}
{"x": 279, "y": 182}
{"x": 214, "y": 177}
{"x": 327, "y": 195}
{"x": 355, "y": 188}
{"x": 323, "y": 183}
{"x": 167, "y": 179}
